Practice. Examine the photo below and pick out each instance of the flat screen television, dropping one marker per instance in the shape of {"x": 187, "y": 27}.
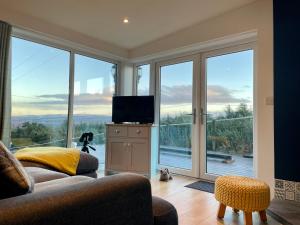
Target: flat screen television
{"x": 138, "y": 109}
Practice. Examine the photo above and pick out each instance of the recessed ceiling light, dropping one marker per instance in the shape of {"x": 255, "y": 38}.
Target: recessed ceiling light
{"x": 125, "y": 20}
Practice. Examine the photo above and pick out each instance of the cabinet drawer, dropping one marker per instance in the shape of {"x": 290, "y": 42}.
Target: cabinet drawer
{"x": 137, "y": 131}
{"x": 117, "y": 131}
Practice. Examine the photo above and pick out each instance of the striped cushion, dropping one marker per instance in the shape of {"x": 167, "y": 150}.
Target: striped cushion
{"x": 14, "y": 180}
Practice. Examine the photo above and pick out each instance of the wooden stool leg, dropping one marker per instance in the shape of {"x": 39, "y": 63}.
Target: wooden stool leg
{"x": 221, "y": 211}
{"x": 236, "y": 210}
{"x": 263, "y": 216}
{"x": 248, "y": 218}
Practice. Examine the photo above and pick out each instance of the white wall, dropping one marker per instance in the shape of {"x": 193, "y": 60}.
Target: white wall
{"x": 258, "y": 17}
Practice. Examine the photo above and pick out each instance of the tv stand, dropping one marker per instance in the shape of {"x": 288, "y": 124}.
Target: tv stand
{"x": 131, "y": 148}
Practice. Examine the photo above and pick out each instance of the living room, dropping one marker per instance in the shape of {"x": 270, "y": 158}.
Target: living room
{"x": 164, "y": 89}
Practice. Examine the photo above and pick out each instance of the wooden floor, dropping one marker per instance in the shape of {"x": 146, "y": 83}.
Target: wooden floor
{"x": 196, "y": 207}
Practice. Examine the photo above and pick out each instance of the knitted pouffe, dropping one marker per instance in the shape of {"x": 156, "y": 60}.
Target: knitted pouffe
{"x": 242, "y": 193}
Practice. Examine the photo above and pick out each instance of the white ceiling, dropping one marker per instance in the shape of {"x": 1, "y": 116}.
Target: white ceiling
{"x": 149, "y": 20}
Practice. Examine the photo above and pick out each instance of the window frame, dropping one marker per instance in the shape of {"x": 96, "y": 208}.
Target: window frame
{"x": 135, "y": 74}
{"x": 73, "y": 50}
{"x": 215, "y": 53}
{"x": 228, "y": 48}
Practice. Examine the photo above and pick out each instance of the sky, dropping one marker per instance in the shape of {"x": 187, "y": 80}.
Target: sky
{"x": 229, "y": 81}
{"x": 40, "y": 82}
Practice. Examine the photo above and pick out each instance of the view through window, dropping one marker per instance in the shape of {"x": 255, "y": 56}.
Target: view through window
{"x": 176, "y": 106}
{"x": 40, "y": 97}
{"x": 39, "y": 90}
{"x": 94, "y": 87}
{"x": 143, "y": 79}
{"x": 40, "y": 94}
{"x": 229, "y": 124}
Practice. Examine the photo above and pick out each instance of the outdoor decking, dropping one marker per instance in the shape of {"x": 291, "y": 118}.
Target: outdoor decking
{"x": 241, "y": 166}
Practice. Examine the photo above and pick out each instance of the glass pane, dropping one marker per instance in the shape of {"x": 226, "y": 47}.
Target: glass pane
{"x": 94, "y": 86}
{"x": 143, "y": 79}
{"x": 229, "y": 125}
{"x": 175, "y": 115}
{"x": 39, "y": 90}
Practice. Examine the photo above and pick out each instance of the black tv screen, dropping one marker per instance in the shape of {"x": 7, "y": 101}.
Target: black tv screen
{"x": 139, "y": 109}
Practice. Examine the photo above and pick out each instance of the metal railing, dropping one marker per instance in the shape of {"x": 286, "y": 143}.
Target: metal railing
{"x": 50, "y": 143}
{"x": 229, "y": 133}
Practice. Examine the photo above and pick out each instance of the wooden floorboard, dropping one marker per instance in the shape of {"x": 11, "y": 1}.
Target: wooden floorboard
{"x": 196, "y": 207}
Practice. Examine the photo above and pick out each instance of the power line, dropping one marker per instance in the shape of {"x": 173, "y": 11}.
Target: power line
{"x": 25, "y": 60}
{"x": 21, "y": 96}
{"x": 33, "y": 69}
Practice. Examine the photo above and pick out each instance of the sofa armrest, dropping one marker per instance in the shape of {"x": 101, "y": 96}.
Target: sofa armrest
{"x": 115, "y": 200}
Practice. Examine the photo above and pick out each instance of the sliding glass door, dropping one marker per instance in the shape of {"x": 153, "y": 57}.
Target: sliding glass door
{"x": 227, "y": 118}
{"x": 177, "y": 118}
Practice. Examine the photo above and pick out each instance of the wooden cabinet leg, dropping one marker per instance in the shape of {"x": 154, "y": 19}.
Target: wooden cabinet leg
{"x": 263, "y": 216}
{"x": 248, "y": 218}
{"x": 221, "y": 211}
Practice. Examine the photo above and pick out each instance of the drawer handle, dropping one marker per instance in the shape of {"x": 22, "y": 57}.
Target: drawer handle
{"x": 138, "y": 131}
{"x": 117, "y": 131}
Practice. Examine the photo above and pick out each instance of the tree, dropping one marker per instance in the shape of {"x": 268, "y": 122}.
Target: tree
{"x": 38, "y": 133}
{"x": 243, "y": 111}
{"x": 230, "y": 133}
{"x": 229, "y": 113}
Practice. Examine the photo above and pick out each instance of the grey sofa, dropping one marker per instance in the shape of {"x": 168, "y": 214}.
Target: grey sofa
{"x": 87, "y": 165}
{"x": 60, "y": 199}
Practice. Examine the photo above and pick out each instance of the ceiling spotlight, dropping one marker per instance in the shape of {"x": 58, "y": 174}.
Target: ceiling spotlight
{"x": 125, "y": 20}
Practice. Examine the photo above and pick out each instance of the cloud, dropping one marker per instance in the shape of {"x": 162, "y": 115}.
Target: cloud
{"x": 82, "y": 99}
{"x": 58, "y": 104}
{"x": 216, "y": 94}
{"x": 178, "y": 94}
{"x": 221, "y": 95}
{"x": 170, "y": 95}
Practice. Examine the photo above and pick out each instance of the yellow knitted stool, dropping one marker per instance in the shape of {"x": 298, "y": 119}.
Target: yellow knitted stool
{"x": 242, "y": 193}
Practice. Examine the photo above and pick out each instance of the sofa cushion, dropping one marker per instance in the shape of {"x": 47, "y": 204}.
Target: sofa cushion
{"x": 35, "y": 164}
{"x": 14, "y": 180}
{"x": 87, "y": 163}
{"x": 60, "y": 183}
{"x": 41, "y": 175}
{"x": 164, "y": 213}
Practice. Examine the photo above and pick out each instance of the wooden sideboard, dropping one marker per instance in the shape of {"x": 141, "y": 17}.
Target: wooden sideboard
{"x": 131, "y": 148}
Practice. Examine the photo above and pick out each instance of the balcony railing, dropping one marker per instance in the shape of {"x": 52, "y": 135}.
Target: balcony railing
{"x": 59, "y": 142}
{"x": 231, "y": 136}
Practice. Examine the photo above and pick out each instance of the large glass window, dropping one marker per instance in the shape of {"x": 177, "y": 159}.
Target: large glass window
{"x": 94, "y": 86}
{"x": 143, "y": 79}
{"x": 39, "y": 94}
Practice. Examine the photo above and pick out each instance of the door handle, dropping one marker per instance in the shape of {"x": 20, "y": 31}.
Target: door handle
{"x": 202, "y": 114}
{"x": 193, "y": 114}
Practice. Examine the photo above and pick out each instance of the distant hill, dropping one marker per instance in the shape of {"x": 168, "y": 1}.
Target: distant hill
{"x": 57, "y": 120}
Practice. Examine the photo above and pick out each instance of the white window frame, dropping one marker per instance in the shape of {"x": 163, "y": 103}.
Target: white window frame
{"x": 151, "y": 77}
{"x": 194, "y": 171}
{"x": 220, "y": 52}
{"x": 73, "y": 49}
{"x": 199, "y": 167}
